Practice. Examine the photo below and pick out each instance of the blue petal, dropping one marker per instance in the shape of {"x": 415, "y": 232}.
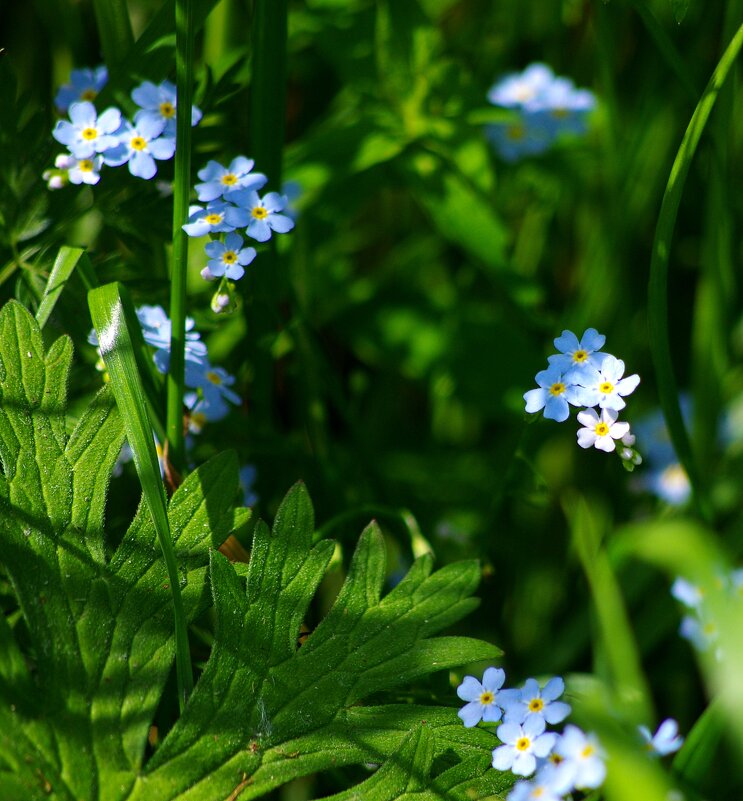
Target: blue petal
{"x": 142, "y": 165}
{"x": 567, "y": 342}
{"x": 146, "y": 95}
{"x": 556, "y": 408}
{"x": 592, "y": 340}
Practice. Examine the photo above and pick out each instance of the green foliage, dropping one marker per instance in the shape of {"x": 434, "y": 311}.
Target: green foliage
{"x": 84, "y": 666}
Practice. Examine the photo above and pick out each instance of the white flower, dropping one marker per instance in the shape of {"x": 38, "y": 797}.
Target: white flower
{"x": 600, "y": 432}
{"x": 607, "y": 381}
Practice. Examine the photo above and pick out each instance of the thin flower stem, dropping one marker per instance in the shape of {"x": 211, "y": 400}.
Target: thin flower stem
{"x": 181, "y": 191}
{"x": 176, "y": 375}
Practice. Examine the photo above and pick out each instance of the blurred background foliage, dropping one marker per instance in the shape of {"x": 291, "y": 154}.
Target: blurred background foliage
{"x": 383, "y": 351}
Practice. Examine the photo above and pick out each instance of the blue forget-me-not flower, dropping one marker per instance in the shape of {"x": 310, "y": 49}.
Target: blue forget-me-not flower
{"x": 139, "y": 146}
{"x": 264, "y": 213}
{"x": 86, "y": 133}
{"x": 85, "y": 84}
{"x": 159, "y": 103}
{"x": 227, "y": 258}
{"x": 666, "y": 739}
{"x": 219, "y": 181}
{"x": 481, "y": 697}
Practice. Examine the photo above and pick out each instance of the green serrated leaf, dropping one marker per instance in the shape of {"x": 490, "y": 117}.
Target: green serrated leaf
{"x": 265, "y": 711}
{"x": 76, "y": 726}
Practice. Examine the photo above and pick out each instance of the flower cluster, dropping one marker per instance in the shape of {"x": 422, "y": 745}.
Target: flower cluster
{"x": 699, "y": 625}
{"x": 582, "y": 375}
{"x": 95, "y": 140}
{"x": 543, "y": 105}
{"x": 231, "y": 201}
{"x": 209, "y": 386}
{"x": 559, "y": 763}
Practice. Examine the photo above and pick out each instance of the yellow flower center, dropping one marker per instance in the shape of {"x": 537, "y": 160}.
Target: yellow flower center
{"x": 85, "y": 165}
{"x": 515, "y": 132}
{"x": 587, "y": 751}
{"x": 487, "y": 698}
{"x": 229, "y": 257}
{"x": 555, "y": 759}
{"x": 259, "y": 213}
{"x": 606, "y": 387}
{"x": 138, "y": 143}
{"x": 601, "y": 429}
{"x": 88, "y": 94}
{"x": 536, "y": 705}
{"x": 167, "y": 110}
{"x": 557, "y": 389}
{"x": 523, "y": 743}
{"x": 537, "y": 792}
{"x": 89, "y": 134}
{"x": 580, "y": 356}
{"x": 560, "y": 113}
{"x": 214, "y": 377}
{"x": 709, "y": 629}
{"x": 213, "y": 219}
{"x": 229, "y": 180}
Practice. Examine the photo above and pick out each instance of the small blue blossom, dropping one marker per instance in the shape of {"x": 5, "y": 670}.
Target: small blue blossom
{"x": 220, "y": 181}
{"x": 216, "y": 385}
{"x": 691, "y": 595}
{"x": 575, "y": 353}
{"x": 550, "y": 784}
{"x": 567, "y": 108}
{"x": 701, "y": 631}
{"x": 139, "y": 146}
{"x": 482, "y": 697}
{"x": 665, "y": 741}
{"x": 87, "y": 134}
{"x": 554, "y": 395}
{"x": 520, "y": 89}
{"x": 159, "y": 103}
{"x": 216, "y": 218}
{"x": 583, "y": 758}
{"x": 156, "y": 329}
{"x": 84, "y": 84}
{"x": 607, "y": 382}
{"x": 263, "y": 213}
{"x": 531, "y": 701}
{"x": 547, "y": 106}
{"x": 522, "y": 744}
{"x": 227, "y": 258}
{"x": 525, "y": 135}
{"x": 85, "y": 171}
{"x": 203, "y": 411}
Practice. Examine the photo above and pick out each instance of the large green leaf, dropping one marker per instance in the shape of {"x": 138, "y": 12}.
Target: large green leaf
{"x": 266, "y": 712}
{"x": 80, "y": 704}
{"x": 79, "y": 692}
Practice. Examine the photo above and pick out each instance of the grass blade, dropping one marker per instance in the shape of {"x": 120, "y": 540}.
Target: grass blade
{"x": 184, "y": 27}
{"x": 115, "y": 30}
{"x": 64, "y": 265}
{"x": 658, "y": 284}
{"x": 114, "y": 319}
